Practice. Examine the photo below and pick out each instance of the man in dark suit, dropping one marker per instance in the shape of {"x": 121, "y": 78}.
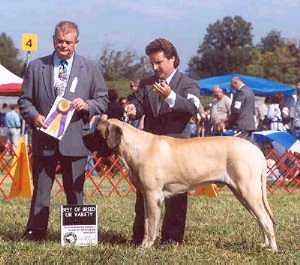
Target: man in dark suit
{"x": 242, "y": 109}
{"x": 168, "y": 100}
{"x": 75, "y": 78}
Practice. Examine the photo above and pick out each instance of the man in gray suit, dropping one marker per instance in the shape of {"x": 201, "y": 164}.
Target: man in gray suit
{"x": 242, "y": 109}
{"x": 168, "y": 100}
{"x": 63, "y": 73}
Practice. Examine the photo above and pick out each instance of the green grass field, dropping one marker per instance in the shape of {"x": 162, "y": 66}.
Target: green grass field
{"x": 218, "y": 231}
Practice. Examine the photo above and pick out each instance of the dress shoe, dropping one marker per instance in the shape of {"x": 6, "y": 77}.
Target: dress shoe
{"x": 136, "y": 243}
{"x": 34, "y": 235}
{"x": 169, "y": 243}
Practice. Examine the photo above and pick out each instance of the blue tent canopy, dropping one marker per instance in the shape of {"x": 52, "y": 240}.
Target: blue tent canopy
{"x": 260, "y": 86}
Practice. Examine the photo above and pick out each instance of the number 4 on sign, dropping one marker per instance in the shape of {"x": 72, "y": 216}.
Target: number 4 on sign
{"x": 29, "y": 42}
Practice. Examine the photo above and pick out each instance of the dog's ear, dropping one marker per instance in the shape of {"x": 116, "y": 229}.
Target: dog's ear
{"x": 102, "y": 129}
{"x": 114, "y": 136}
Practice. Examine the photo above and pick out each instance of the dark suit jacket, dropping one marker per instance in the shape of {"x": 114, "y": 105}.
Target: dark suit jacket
{"x": 159, "y": 117}
{"x": 38, "y": 96}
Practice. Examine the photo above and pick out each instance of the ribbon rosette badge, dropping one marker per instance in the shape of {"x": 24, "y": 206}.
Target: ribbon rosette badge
{"x": 57, "y": 120}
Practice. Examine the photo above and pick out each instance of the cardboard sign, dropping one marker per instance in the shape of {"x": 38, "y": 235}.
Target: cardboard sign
{"x": 79, "y": 225}
{"x": 29, "y": 42}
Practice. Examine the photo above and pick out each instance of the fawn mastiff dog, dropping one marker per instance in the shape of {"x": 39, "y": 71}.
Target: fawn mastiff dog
{"x": 161, "y": 166}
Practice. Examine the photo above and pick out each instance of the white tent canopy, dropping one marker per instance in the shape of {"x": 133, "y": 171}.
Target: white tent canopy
{"x": 10, "y": 84}
{"x": 7, "y": 77}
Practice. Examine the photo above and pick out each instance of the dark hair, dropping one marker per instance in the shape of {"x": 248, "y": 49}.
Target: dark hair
{"x": 122, "y": 98}
{"x": 113, "y": 95}
{"x": 66, "y": 26}
{"x": 13, "y": 106}
{"x": 277, "y": 98}
{"x": 207, "y": 107}
{"x": 268, "y": 100}
{"x": 165, "y": 46}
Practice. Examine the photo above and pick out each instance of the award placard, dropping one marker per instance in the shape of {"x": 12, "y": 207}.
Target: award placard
{"x": 59, "y": 117}
{"x": 79, "y": 225}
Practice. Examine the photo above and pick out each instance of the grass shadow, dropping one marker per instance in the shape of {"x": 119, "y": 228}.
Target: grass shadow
{"x": 243, "y": 246}
{"x": 112, "y": 238}
{"x": 108, "y": 237}
{"x": 11, "y": 235}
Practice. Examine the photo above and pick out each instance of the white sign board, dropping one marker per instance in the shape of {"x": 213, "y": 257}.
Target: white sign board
{"x": 79, "y": 225}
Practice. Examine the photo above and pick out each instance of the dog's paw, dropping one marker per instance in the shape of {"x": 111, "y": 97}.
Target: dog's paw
{"x": 264, "y": 245}
{"x": 147, "y": 244}
{"x": 268, "y": 247}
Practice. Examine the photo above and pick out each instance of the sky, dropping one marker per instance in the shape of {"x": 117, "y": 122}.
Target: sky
{"x": 131, "y": 25}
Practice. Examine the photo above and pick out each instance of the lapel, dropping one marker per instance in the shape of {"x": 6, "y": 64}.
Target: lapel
{"x": 175, "y": 80}
{"x": 154, "y": 101}
{"x": 153, "y": 97}
{"x": 47, "y": 72}
{"x": 74, "y": 74}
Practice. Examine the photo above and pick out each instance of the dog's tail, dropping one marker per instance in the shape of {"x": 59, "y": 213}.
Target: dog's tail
{"x": 264, "y": 193}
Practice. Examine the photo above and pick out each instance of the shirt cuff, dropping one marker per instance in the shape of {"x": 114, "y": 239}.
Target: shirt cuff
{"x": 171, "y": 99}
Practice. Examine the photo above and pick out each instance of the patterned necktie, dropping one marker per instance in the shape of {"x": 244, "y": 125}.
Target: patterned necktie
{"x": 62, "y": 78}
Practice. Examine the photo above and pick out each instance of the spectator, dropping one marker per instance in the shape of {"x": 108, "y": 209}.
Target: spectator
{"x": 286, "y": 119}
{"x": 134, "y": 87}
{"x": 242, "y": 109}
{"x": 261, "y": 122}
{"x": 114, "y": 109}
{"x": 194, "y": 126}
{"x": 295, "y": 116}
{"x": 220, "y": 110}
{"x": 205, "y": 126}
{"x": 4, "y": 109}
{"x": 274, "y": 113}
{"x": 264, "y": 121}
{"x": 13, "y": 124}
{"x": 289, "y": 101}
{"x": 124, "y": 102}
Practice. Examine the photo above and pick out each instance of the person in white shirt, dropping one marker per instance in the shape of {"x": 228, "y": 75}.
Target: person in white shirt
{"x": 220, "y": 110}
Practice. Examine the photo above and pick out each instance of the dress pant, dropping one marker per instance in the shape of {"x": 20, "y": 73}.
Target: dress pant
{"x": 173, "y": 223}
{"x": 73, "y": 174}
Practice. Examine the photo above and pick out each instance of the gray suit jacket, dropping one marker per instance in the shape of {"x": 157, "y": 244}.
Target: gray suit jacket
{"x": 159, "y": 117}
{"x": 38, "y": 96}
{"x": 243, "y": 110}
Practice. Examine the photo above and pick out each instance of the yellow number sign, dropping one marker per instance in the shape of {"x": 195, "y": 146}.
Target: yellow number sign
{"x": 29, "y": 42}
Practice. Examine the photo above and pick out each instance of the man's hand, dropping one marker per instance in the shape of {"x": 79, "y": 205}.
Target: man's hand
{"x": 130, "y": 110}
{"x": 79, "y": 104}
{"x": 39, "y": 121}
{"x": 162, "y": 88}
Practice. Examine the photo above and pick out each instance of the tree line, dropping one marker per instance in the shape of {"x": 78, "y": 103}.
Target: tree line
{"x": 227, "y": 47}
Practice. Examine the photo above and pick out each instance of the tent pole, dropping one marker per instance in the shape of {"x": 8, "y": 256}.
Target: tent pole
{"x": 26, "y": 62}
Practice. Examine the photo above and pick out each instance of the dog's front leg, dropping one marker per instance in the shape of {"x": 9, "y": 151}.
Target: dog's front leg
{"x": 152, "y": 204}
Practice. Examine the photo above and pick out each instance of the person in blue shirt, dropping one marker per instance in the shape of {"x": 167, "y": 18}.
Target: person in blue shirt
{"x": 12, "y": 121}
